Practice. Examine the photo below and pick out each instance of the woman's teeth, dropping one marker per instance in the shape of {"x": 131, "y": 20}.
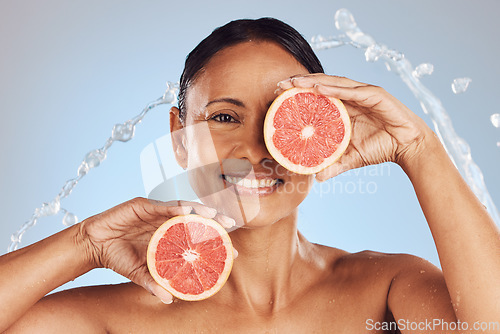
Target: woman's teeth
{"x": 247, "y": 183}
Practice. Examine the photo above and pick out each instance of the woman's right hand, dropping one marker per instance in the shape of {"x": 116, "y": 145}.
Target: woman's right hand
{"x": 118, "y": 238}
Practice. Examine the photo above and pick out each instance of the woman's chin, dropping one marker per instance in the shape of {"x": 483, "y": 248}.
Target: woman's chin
{"x": 246, "y": 212}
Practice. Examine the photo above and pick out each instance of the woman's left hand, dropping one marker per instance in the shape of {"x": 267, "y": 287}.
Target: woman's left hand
{"x": 383, "y": 128}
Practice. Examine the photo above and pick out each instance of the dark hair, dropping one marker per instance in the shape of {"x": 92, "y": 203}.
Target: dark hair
{"x": 234, "y": 32}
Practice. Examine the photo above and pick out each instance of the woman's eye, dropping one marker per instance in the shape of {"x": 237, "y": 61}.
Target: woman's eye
{"x": 224, "y": 118}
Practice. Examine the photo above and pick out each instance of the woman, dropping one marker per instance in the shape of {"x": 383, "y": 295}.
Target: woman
{"x": 280, "y": 282}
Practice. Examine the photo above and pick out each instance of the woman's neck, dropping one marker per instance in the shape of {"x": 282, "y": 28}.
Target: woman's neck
{"x": 265, "y": 272}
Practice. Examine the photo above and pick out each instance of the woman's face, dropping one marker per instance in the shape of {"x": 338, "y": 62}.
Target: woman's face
{"x": 222, "y": 143}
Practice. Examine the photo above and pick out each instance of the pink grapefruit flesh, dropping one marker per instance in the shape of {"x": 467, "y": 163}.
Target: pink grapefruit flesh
{"x": 190, "y": 256}
{"x": 306, "y": 132}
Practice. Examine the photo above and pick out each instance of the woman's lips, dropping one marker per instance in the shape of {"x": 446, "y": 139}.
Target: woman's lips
{"x": 253, "y": 186}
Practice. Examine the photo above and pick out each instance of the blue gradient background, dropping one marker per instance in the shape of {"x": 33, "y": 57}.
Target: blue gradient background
{"x": 70, "y": 70}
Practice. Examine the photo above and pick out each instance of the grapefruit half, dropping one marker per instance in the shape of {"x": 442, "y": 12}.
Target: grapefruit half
{"x": 306, "y": 132}
{"x": 190, "y": 256}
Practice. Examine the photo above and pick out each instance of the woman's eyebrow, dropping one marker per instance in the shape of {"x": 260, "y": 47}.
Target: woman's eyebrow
{"x": 236, "y": 102}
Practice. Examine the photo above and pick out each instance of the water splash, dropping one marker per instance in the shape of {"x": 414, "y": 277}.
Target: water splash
{"x": 422, "y": 70}
{"x": 457, "y": 148}
{"x": 495, "y": 120}
{"x": 121, "y": 132}
{"x": 460, "y": 85}
{"x": 320, "y": 42}
{"x": 344, "y": 21}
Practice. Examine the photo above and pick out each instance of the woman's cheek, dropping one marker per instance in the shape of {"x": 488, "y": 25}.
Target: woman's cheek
{"x": 224, "y": 144}
{"x": 201, "y": 146}
{"x": 299, "y": 186}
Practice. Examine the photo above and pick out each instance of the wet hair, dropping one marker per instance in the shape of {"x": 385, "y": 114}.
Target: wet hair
{"x": 239, "y": 31}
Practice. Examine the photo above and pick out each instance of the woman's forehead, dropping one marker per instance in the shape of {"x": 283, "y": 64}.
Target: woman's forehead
{"x": 247, "y": 70}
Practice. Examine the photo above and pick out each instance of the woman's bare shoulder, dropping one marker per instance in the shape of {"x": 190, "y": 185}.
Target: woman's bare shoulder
{"x": 92, "y": 309}
{"x": 368, "y": 258}
{"x": 378, "y": 266}
{"x": 405, "y": 282}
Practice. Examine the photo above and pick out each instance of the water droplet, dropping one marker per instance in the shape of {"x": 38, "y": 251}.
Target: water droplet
{"x": 498, "y": 143}
{"x": 362, "y": 39}
{"x": 463, "y": 147}
{"x": 344, "y": 20}
{"x": 373, "y": 53}
{"x": 69, "y": 219}
{"x": 170, "y": 95}
{"x": 94, "y": 158}
{"x": 51, "y": 208}
{"x": 37, "y": 213}
{"x": 15, "y": 237}
{"x": 44, "y": 209}
{"x": 475, "y": 173}
{"x": 460, "y": 85}
{"x": 83, "y": 169}
{"x": 495, "y": 120}
{"x": 67, "y": 188}
{"x": 123, "y": 132}
{"x": 395, "y": 55}
{"x": 107, "y": 145}
{"x": 319, "y": 42}
{"x": 318, "y": 39}
{"x": 423, "y": 69}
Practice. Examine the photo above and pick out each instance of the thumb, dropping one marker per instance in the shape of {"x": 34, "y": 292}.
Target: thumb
{"x": 155, "y": 289}
{"x": 159, "y": 292}
{"x": 349, "y": 160}
{"x": 331, "y": 171}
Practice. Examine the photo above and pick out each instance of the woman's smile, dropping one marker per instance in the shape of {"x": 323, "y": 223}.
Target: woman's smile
{"x": 252, "y": 185}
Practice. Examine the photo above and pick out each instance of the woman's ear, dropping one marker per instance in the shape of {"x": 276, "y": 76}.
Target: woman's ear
{"x": 177, "y": 132}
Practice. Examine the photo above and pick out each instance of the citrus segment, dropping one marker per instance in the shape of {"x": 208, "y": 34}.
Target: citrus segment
{"x": 190, "y": 256}
{"x": 306, "y": 132}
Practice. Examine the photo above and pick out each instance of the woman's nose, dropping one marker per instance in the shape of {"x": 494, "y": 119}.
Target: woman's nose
{"x": 251, "y": 146}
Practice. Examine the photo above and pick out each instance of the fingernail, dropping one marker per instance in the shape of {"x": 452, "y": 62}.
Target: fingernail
{"x": 235, "y": 253}
{"x": 187, "y": 209}
{"x": 148, "y": 288}
{"x": 160, "y": 294}
{"x": 277, "y": 90}
{"x": 320, "y": 180}
{"x": 318, "y": 87}
{"x": 167, "y": 301}
{"x": 282, "y": 81}
{"x": 227, "y": 221}
{"x": 211, "y": 212}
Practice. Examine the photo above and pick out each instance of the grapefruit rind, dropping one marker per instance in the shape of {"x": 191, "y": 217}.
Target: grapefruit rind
{"x": 269, "y": 131}
{"x": 164, "y": 283}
